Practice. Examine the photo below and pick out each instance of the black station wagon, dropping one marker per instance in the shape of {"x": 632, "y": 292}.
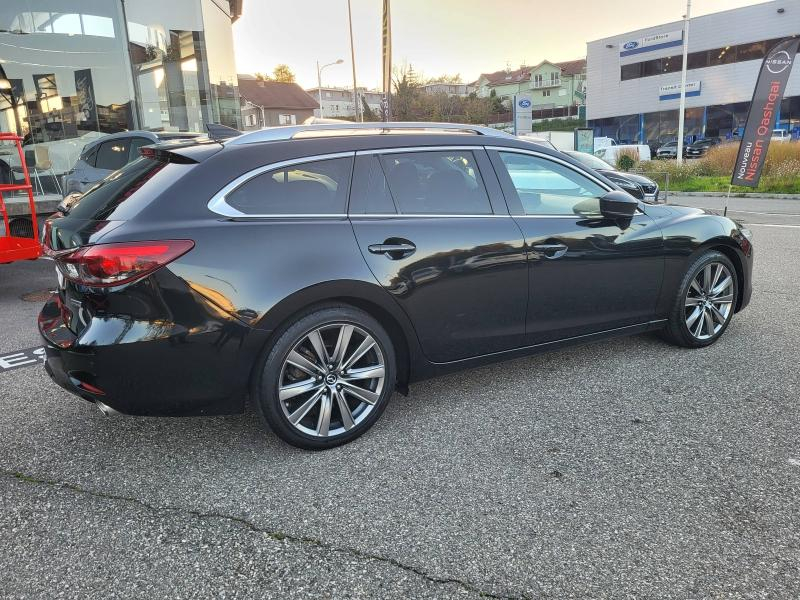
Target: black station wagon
{"x": 317, "y": 269}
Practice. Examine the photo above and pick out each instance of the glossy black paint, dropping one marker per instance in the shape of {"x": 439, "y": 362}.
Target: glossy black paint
{"x": 475, "y": 289}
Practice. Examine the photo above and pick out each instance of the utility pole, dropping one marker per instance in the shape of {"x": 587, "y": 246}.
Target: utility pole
{"x": 682, "y": 106}
{"x": 356, "y": 103}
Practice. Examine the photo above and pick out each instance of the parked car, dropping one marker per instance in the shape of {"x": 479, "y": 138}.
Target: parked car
{"x": 317, "y": 269}
{"x": 638, "y": 186}
{"x": 101, "y": 157}
{"x": 668, "y": 150}
{"x": 700, "y": 147}
{"x": 610, "y": 154}
{"x": 781, "y": 135}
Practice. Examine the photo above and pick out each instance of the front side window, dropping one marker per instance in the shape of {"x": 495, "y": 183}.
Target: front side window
{"x": 436, "y": 182}
{"x": 546, "y": 187}
{"x": 313, "y": 188}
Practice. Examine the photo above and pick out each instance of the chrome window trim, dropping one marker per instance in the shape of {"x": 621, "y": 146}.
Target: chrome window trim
{"x": 219, "y": 205}
{"x": 403, "y": 149}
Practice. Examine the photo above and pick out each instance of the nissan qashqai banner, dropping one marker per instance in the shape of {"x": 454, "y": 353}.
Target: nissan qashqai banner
{"x": 767, "y": 97}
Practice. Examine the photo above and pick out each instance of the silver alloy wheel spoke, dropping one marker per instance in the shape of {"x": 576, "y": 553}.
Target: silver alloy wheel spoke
{"x": 694, "y": 316}
{"x": 301, "y": 387}
{"x": 324, "y": 420}
{"x": 716, "y": 291}
{"x": 325, "y": 388}
{"x": 717, "y": 314}
{"x": 345, "y": 333}
{"x": 302, "y": 363}
{"x": 365, "y": 346}
{"x": 315, "y": 338}
{"x": 692, "y": 301}
{"x": 301, "y": 412}
{"x": 344, "y": 410}
{"x": 365, "y": 373}
{"x": 360, "y": 393}
{"x": 696, "y": 287}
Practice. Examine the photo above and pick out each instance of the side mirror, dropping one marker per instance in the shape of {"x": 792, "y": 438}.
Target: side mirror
{"x": 617, "y": 204}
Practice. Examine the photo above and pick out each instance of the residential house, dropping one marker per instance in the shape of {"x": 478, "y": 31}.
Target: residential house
{"x": 268, "y": 103}
{"x": 550, "y": 84}
{"x": 337, "y": 102}
{"x": 451, "y": 89}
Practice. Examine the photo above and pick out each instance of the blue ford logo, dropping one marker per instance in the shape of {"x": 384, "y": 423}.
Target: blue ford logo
{"x": 524, "y": 103}
{"x": 631, "y": 45}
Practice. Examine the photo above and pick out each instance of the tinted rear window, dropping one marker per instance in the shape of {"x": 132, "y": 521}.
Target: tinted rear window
{"x": 104, "y": 199}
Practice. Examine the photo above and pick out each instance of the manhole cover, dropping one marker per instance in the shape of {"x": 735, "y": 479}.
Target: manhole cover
{"x": 40, "y": 296}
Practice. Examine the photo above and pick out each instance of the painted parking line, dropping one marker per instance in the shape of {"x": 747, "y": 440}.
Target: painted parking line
{"x": 19, "y": 359}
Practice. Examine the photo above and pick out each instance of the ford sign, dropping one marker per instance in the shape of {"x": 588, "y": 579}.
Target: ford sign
{"x": 524, "y": 103}
{"x": 630, "y": 45}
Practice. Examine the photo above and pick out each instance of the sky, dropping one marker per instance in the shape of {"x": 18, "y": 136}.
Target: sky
{"x": 436, "y": 37}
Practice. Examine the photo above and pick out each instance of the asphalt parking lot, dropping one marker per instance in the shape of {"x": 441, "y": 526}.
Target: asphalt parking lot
{"x": 627, "y": 468}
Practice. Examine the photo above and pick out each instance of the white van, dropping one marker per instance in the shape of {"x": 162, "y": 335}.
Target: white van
{"x": 781, "y": 135}
{"x": 610, "y": 154}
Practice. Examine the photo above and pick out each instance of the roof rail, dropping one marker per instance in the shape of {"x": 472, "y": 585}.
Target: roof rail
{"x": 273, "y": 134}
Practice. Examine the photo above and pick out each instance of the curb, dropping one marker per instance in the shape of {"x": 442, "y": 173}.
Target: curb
{"x": 733, "y": 195}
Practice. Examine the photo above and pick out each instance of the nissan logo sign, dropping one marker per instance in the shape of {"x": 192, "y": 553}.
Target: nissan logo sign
{"x": 779, "y": 62}
{"x": 630, "y": 45}
{"x": 524, "y": 103}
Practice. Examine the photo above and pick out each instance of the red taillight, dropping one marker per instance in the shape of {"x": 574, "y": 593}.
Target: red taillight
{"x": 105, "y": 265}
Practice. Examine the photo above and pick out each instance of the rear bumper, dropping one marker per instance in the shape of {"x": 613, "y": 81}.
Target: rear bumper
{"x": 176, "y": 373}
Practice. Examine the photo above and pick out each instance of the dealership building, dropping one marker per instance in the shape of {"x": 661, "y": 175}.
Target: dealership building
{"x": 633, "y": 79}
{"x": 74, "y": 70}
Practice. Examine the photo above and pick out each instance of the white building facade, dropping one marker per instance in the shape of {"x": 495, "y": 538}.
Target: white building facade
{"x": 338, "y": 102}
{"x": 633, "y": 79}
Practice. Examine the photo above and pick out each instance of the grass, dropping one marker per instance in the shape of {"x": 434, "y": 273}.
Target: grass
{"x": 710, "y": 183}
{"x": 712, "y": 173}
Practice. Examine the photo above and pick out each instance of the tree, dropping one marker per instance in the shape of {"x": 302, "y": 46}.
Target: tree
{"x": 283, "y": 74}
{"x": 263, "y": 77}
{"x": 368, "y": 114}
{"x": 446, "y": 79}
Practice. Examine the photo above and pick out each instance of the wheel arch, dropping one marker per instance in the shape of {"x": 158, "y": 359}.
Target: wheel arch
{"x": 727, "y": 247}
{"x": 368, "y": 297}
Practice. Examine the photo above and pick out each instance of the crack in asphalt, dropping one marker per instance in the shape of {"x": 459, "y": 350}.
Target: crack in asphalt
{"x": 275, "y": 535}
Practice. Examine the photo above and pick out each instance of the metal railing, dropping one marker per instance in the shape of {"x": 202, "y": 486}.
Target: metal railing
{"x": 545, "y": 83}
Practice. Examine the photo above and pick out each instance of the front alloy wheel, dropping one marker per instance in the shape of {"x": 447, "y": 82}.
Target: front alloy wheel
{"x": 709, "y": 301}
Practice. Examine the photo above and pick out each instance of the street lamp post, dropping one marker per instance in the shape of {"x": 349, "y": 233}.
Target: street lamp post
{"x": 682, "y": 104}
{"x": 319, "y": 81}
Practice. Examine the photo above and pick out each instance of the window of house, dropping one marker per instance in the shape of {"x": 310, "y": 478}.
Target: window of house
{"x": 436, "y": 182}
{"x": 546, "y": 187}
{"x": 554, "y": 76}
{"x": 545, "y": 93}
{"x": 287, "y": 119}
{"x": 537, "y": 80}
{"x": 312, "y": 188}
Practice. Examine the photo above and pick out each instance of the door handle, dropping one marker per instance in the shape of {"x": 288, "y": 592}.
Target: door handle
{"x": 393, "y": 251}
{"x": 552, "y": 251}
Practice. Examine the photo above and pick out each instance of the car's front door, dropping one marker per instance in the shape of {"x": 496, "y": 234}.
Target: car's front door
{"x": 587, "y": 273}
{"x": 433, "y": 228}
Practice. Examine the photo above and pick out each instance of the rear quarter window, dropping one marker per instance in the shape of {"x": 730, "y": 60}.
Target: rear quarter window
{"x": 311, "y": 188}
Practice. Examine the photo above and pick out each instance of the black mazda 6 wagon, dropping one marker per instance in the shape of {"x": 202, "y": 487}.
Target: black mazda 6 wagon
{"x": 317, "y": 269}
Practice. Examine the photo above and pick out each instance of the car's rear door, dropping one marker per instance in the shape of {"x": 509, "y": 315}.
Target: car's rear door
{"x": 587, "y": 273}
{"x": 434, "y": 229}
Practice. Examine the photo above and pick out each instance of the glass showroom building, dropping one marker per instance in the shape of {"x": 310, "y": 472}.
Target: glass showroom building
{"x": 74, "y": 70}
{"x": 633, "y": 79}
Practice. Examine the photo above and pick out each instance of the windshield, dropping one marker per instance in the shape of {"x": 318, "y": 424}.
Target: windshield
{"x": 589, "y": 160}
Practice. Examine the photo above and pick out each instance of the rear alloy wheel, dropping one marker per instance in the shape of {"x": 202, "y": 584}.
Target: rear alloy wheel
{"x": 705, "y": 303}
{"x": 328, "y": 378}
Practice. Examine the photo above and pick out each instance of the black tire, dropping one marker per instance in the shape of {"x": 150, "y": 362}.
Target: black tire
{"x": 677, "y": 331}
{"x": 272, "y": 371}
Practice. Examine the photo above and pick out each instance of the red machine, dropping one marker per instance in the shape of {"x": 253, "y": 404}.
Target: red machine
{"x": 18, "y": 248}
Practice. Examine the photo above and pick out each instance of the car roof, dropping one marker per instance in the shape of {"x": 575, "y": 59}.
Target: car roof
{"x": 154, "y": 136}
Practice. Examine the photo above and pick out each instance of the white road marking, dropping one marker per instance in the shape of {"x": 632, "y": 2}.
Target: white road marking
{"x": 771, "y": 225}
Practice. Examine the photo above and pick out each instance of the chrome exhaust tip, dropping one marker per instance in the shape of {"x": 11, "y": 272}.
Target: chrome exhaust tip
{"x": 106, "y": 409}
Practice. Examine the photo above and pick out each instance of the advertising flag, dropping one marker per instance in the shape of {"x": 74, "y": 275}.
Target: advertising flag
{"x": 85, "y": 91}
{"x": 387, "y": 61}
{"x": 767, "y": 96}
